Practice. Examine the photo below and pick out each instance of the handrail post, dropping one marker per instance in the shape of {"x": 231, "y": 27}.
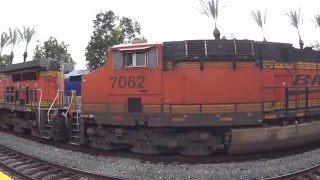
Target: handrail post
{"x": 14, "y": 98}
{"x": 4, "y": 97}
{"x": 252, "y": 48}
{"x": 307, "y": 99}
{"x": 234, "y": 59}
{"x": 72, "y": 99}
{"x": 286, "y": 100}
{"x": 55, "y": 99}
{"x": 39, "y": 107}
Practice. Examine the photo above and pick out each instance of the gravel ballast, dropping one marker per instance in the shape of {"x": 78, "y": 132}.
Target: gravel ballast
{"x": 135, "y": 169}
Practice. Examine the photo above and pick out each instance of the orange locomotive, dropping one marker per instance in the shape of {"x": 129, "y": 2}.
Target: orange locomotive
{"x": 192, "y": 97}
{"x": 197, "y": 97}
{"x": 29, "y": 96}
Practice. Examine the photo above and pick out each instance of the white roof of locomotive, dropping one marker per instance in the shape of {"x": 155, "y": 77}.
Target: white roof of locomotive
{"x": 77, "y": 73}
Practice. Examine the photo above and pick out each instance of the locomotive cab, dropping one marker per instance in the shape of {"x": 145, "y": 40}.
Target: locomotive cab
{"x": 135, "y": 73}
{"x": 131, "y": 78}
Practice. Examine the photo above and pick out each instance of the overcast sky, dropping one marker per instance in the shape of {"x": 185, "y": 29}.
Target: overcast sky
{"x": 161, "y": 20}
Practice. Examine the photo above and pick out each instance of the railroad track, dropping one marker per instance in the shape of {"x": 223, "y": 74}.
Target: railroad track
{"x": 30, "y": 168}
{"x": 312, "y": 173}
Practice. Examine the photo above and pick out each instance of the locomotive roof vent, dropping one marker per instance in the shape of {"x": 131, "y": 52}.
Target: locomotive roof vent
{"x": 139, "y": 40}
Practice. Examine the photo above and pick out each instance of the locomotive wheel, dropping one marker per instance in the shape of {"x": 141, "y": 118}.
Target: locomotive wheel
{"x": 143, "y": 147}
{"x": 99, "y": 142}
{"x": 196, "y": 149}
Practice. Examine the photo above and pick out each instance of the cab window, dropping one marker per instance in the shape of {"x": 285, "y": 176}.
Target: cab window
{"x": 152, "y": 58}
{"x": 135, "y": 59}
{"x": 128, "y": 59}
{"x": 117, "y": 60}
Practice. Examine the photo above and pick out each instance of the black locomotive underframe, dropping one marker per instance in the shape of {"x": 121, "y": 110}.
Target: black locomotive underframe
{"x": 20, "y": 121}
{"x": 141, "y": 137}
{"x": 187, "y": 139}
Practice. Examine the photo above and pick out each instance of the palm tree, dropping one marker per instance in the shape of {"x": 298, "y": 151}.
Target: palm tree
{"x": 296, "y": 21}
{"x": 26, "y": 36}
{"x": 13, "y": 40}
{"x": 3, "y": 42}
{"x": 211, "y": 9}
{"x": 317, "y": 20}
{"x": 257, "y": 16}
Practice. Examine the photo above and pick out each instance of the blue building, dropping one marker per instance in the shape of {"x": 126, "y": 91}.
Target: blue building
{"x": 73, "y": 81}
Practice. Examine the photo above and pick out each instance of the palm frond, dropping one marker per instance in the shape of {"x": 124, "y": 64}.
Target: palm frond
{"x": 210, "y": 8}
{"x": 317, "y": 20}
{"x": 204, "y": 9}
{"x": 257, "y": 17}
{"x": 295, "y": 18}
{"x": 265, "y": 17}
{"x": 30, "y": 34}
{"x": 27, "y": 34}
{"x": 13, "y": 37}
{"x": 217, "y": 8}
{"x": 261, "y": 22}
{"x": 296, "y": 21}
{"x": 4, "y": 39}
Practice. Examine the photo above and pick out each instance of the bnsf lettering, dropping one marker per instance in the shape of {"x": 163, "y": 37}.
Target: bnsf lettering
{"x": 306, "y": 79}
{"x": 51, "y": 80}
{"x": 130, "y": 82}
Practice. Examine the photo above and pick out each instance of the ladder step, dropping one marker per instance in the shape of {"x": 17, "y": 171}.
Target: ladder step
{"x": 49, "y": 132}
{"x": 76, "y": 137}
{"x": 74, "y": 143}
{"x": 45, "y": 137}
{"x": 75, "y": 130}
{"x": 76, "y": 124}
{"x": 47, "y": 125}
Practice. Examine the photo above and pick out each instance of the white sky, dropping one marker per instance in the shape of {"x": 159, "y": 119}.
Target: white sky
{"x": 161, "y": 20}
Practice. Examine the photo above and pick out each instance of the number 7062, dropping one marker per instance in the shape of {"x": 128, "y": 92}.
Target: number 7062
{"x": 130, "y": 82}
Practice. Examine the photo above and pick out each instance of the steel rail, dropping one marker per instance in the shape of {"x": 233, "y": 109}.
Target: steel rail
{"x": 306, "y": 173}
{"x": 32, "y": 168}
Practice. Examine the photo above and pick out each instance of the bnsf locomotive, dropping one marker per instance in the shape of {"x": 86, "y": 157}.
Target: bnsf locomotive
{"x": 194, "y": 97}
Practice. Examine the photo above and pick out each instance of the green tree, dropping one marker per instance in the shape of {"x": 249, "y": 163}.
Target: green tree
{"x": 26, "y": 35}
{"x": 261, "y": 23}
{"x": 13, "y": 40}
{"x": 109, "y": 30}
{"x": 52, "y": 49}
{"x": 296, "y": 21}
{"x": 129, "y": 29}
{"x": 211, "y": 9}
{"x": 316, "y": 46}
{"x": 6, "y": 59}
